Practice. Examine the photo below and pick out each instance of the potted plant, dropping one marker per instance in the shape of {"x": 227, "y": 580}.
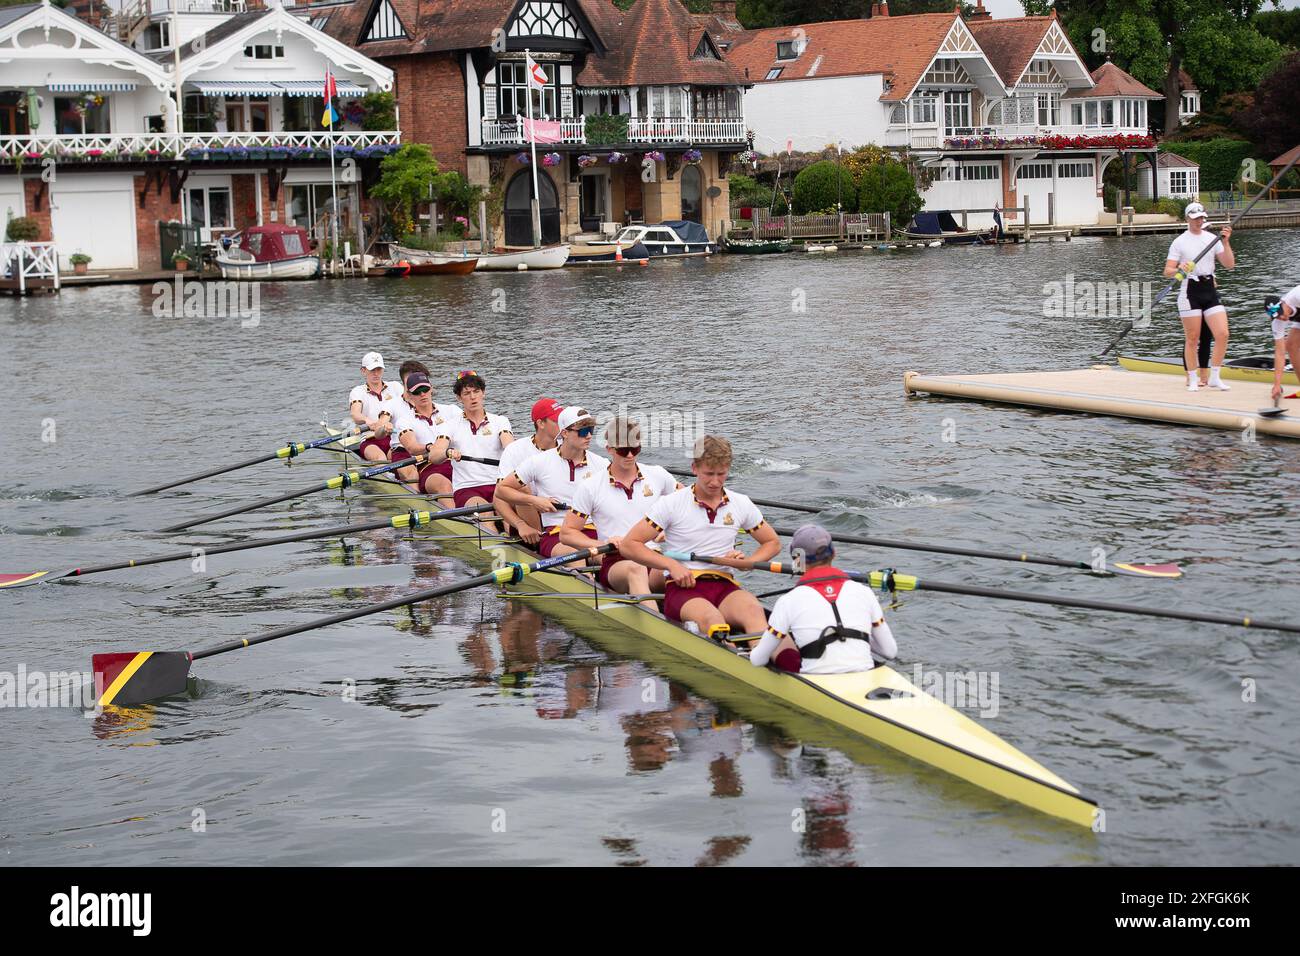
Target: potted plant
{"x": 181, "y": 260}
{"x": 79, "y": 262}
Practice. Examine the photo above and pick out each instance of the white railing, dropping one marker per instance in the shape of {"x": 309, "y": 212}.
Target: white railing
{"x": 675, "y": 129}
{"x": 509, "y": 131}
{"x": 26, "y": 261}
{"x": 129, "y": 146}
{"x": 924, "y": 138}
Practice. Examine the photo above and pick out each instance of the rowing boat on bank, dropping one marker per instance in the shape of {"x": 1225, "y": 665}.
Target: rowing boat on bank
{"x": 880, "y": 705}
{"x": 1252, "y": 368}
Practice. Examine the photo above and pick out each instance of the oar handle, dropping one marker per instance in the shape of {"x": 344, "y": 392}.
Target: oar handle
{"x": 481, "y": 461}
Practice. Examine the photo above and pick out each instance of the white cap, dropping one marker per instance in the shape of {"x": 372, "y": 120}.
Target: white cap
{"x": 572, "y": 415}
{"x": 1195, "y": 210}
{"x": 372, "y": 361}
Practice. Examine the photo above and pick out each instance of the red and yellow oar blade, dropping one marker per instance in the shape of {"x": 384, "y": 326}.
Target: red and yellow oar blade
{"x": 128, "y": 679}
{"x": 1148, "y": 570}
{"x": 21, "y": 579}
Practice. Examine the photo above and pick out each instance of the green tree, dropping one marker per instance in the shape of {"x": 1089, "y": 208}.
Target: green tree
{"x": 890, "y": 187}
{"x": 1281, "y": 25}
{"x": 406, "y": 178}
{"x": 815, "y": 188}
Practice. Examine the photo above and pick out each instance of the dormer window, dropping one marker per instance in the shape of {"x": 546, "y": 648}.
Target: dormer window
{"x": 774, "y": 73}
{"x": 788, "y": 49}
{"x": 264, "y": 52}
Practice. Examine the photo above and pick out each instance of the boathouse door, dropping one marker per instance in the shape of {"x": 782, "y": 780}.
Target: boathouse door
{"x": 692, "y": 194}
{"x": 519, "y": 215}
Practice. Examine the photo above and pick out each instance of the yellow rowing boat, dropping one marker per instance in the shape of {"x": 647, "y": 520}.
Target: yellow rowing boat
{"x": 880, "y": 704}
{"x": 1254, "y": 369}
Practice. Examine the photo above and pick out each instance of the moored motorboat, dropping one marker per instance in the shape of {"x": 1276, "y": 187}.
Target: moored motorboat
{"x": 607, "y": 253}
{"x": 880, "y": 705}
{"x": 939, "y": 225}
{"x": 1251, "y": 368}
{"x": 670, "y": 239}
{"x": 268, "y": 253}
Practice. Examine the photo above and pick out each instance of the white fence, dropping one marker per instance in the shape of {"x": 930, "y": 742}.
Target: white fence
{"x": 25, "y": 261}
{"x": 93, "y": 146}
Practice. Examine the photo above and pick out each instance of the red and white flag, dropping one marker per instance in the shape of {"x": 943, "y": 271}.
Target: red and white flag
{"x": 543, "y": 131}
{"x": 536, "y": 75}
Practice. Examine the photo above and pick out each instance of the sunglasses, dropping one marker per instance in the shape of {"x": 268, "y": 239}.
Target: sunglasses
{"x": 422, "y": 390}
{"x": 468, "y": 373}
{"x": 586, "y": 431}
{"x": 627, "y": 451}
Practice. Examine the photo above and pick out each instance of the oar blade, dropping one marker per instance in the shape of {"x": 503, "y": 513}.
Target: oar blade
{"x": 1271, "y": 412}
{"x": 1147, "y": 570}
{"x": 25, "y": 579}
{"x": 129, "y": 679}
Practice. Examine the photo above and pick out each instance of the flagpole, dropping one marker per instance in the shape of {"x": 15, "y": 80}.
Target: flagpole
{"x": 532, "y": 138}
{"x": 334, "y": 189}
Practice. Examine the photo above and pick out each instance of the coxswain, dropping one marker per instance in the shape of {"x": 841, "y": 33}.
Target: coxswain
{"x": 477, "y": 433}
{"x": 615, "y": 506}
{"x": 549, "y": 480}
{"x": 1198, "y": 297}
{"x": 827, "y": 623}
{"x": 1285, "y": 313}
{"x": 417, "y": 425}
{"x": 369, "y": 404}
{"x": 705, "y": 520}
{"x": 546, "y": 430}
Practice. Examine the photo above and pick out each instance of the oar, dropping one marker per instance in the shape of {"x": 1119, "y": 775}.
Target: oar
{"x": 1273, "y": 410}
{"x": 345, "y": 480}
{"x": 888, "y": 580}
{"x": 481, "y": 461}
{"x": 765, "y": 502}
{"x": 292, "y": 450}
{"x": 132, "y": 678}
{"x": 1179, "y": 276}
{"x": 1137, "y": 570}
{"x": 412, "y": 519}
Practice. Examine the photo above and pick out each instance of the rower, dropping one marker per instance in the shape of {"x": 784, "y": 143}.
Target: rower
{"x": 1198, "y": 298}
{"x": 550, "y": 479}
{"x": 615, "y": 506}
{"x": 546, "y": 430}
{"x": 417, "y": 422}
{"x": 369, "y": 404}
{"x": 477, "y": 433}
{"x": 827, "y": 623}
{"x": 705, "y": 519}
{"x": 1285, "y": 313}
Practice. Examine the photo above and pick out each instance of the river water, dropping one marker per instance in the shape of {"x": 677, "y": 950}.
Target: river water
{"x": 486, "y": 731}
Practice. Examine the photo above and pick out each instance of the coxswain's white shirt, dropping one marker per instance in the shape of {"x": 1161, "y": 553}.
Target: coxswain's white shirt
{"x": 690, "y": 526}
{"x": 481, "y": 442}
{"x": 427, "y": 430}
{"x": 614, "y": 508}
{"x": 550, "y": 476}
{"x": 515, "y": 453}
{"x": 372, "y": 404}
{"x": 1187, "y": 247}
{"x": 804, "y": 613}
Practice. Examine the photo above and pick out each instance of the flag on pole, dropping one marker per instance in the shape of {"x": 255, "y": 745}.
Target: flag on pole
{"x": 543, "y": 131}
{"x": 536, "y": 75}
{"x": 330, "y": 116}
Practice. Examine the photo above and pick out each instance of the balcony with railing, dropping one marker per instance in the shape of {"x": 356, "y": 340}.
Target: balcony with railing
{"x": 666, "y": 130}
{"x": 137, "y": 147}
{"x": 676, "y": 129}
{"x": 512, "y": 131}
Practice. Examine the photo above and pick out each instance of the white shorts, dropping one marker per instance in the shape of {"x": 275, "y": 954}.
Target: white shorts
{"x": 1203, "y": 301}
{"x": 1282, "y": 326}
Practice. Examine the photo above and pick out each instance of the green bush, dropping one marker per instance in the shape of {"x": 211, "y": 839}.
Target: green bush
{"x": 815, "y": 188}
{"x": 1219, "y": 159}
{"x": 22, "y": 229}
{"x": 606, "y": 130}
{"x": 888, "y": 186}
{"x": 381, "y": 111}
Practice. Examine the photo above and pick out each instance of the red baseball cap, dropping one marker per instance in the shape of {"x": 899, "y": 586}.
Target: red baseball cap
{"x": 545, "y": 408}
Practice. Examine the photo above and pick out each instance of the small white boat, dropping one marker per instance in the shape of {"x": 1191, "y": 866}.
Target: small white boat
{"x": 269, "y": 252}
{"x": 547, "y": 257}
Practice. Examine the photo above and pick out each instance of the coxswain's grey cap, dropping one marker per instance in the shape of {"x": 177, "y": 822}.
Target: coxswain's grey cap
{"x": 814, "y": 541}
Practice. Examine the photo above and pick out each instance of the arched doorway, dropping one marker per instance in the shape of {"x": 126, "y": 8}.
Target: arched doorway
{"x": 692, "y": 194}
{"x": 519, "y": 214}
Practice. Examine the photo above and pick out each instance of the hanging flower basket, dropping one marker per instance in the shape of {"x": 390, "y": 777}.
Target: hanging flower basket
{"x": 655, "y": 155}
{"x": 552, "y": 159}
{"x": 586, "y": 161}
{"x": 522, "y": 159}
{"x": 692, "y": 156}
{"x": 616, "y": 157}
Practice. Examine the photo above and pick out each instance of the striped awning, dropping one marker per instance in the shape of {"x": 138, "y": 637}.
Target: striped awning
{"x": 273, "y": 88}
{"x": 317, "y": 87}
{"x": 94, "y": 86}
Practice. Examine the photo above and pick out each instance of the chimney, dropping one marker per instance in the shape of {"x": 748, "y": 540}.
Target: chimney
{"x": 880, "y": 9}
{"x": 725, "y": 9}
{"x": 979, "y": 13}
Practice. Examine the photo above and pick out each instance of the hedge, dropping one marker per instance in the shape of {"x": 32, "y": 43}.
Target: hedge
{"x": 815, "y": 189}
{"x": 889, "y": 187}
{"x": 1219, "y": 159}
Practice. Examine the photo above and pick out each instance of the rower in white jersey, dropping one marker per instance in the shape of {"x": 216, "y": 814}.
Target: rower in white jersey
{"x": 1198, "y": 297}
{"x": 705, "y": 520}
{"x": 477, "y": 434}
{"x": 1284, "y": 311}
{"x": 369, "y": 405}
{"x": 827, "y": 623}
{"x": 417, "y": 425}
{"x": 617, "y": 504}
{"x": 549, "y": 480}
{"x": 546, "y": 431}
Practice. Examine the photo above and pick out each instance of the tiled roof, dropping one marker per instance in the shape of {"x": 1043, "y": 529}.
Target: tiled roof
{"x": 1111, "y": 81}
{"x": 431, "y": 25}
{"x": 1171, "y": 161}
{"x": 653, "y": 42}
{"x": 1011, "y": 43}
{"x": 900, "y": 48}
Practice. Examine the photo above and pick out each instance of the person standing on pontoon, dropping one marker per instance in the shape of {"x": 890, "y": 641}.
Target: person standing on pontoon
{"x": 1198, "y": 298}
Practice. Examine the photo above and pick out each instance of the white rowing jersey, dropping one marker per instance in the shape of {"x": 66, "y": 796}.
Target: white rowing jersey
{"x": 690, "y": 526}
{"x": 1285, "y": 321}
{"x": 373, "y": 403}
{"x": 614, "y": 508}
{"x": 805, "y": 612}
{"x": 426, "y": 430}
{"x": 1187, "y": 247}
{"x": 515, "y": 453}
{"x": 482, "y": 441}
{"x": 550, "y": 476}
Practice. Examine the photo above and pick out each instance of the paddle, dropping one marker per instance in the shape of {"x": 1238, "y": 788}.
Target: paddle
{"x": 1179, "y": 276}
{"x": 889, "y": 580}
{"x": 412, "y": 519}
{"x": 1273, "y": 410}
{"x": 133, "y": 678}
{"x": 1127, "y": 568}
{"x": 292, "y": 450}
{"x": 344, "y": 480}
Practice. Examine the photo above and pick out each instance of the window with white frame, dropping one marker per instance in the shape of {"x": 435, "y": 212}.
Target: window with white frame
{"x": 1040, "y": 71}
{"x": 924, "y": 109}
{"x": 1049, "y": 109}
{"x": 981, "y": 171}
{"x": 1074, "y": 170}
{"x": 946, "y": 70}
{"x": 956, "y": 111}
{"x": 774, "y": 73}
{"x": 1034, "y": 171}
{"x": 788, "y": 49}
{"x": 512, "y": 90}
{"x": 1076, "y": 114}
{"x": 264, "y": 51}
